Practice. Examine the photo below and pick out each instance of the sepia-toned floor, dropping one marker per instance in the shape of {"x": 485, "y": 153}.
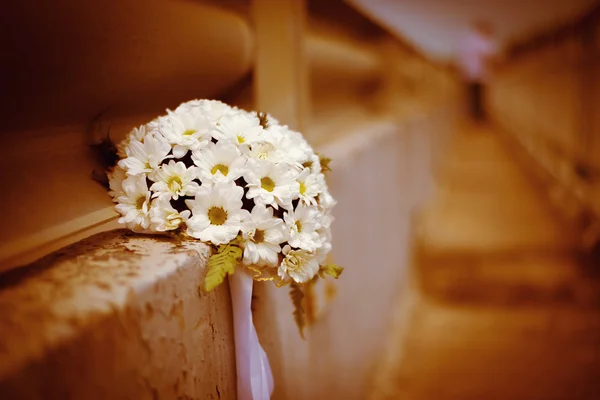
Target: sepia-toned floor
{"x": 498, "y": 306}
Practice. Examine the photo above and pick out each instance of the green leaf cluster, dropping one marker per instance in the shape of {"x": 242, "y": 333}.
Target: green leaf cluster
{"x": 331, "y": 269}
{"x": 220, "y": 264}
{"x": 325, "y": 163}
{"x": 297, "y": 296}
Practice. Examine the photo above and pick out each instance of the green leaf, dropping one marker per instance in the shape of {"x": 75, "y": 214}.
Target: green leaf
{"x": 325, "y": 161}
{"x": 309, "y": 302}
{"x": 282, "y": 283}
{"x": 297, "y": 296}
{"x": 331, "y": 269}
{"x": 220, "y": 264}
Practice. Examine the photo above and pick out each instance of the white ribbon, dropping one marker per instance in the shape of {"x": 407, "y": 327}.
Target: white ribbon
{"x": 254, "y": 377}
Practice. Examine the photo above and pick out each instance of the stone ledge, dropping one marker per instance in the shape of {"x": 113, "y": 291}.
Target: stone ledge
{"x": 116, "y": 316}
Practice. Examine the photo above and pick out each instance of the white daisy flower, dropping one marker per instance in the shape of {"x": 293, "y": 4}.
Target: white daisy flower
{"x": 275, "y": 131}
{"x": 115, "y": 182}
{"x": 266, "y": 151}
{"x": 189, "y": 130}
{"x": 134, "y": 204}
{"x": 137, "y": 134}
{"x": 164, "y": 217}
{"x": 216, "y": 110}
{"x": 189, "y": 105}
{"x": 143, "y": 158}
{"x": 322, "y": 252}
{"x": 217, "y": 213}
{"x": 263, "y": 234}
{"x": 153, "y": 126}
{"x": 313, "y": 163}
{"x": 310, "y": 185}
{"x": 270, "y": 184}
{"x": 302, "y": 225}
{"x": 292, "y": 144}
{"x": 326, "y": 219}
{"x": 174, "y": 179}
{"x": 220, "y": 161}
{"x": 213, "y": 109}
{"x": 324, "y": 237}
{"x": 240, "y": 128}
{"x": 326, "y": 201}
{"x": 299, "y": 265}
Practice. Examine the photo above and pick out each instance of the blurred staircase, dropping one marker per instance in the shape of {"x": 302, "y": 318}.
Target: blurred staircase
{"x": 500, "y": 305}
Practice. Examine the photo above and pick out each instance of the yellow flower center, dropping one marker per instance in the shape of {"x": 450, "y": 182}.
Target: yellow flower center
{"x": 189, "y": 132}
{"x": 220, "y": 167}
{"x": 139, "y": 204}
{"x": 240, "y": 139}
{"x": 259, "y": 236}
{"x": 217, "y": 216}
{"x": 302, "y": 188}
{"x": 298, "y": 226}
{"x": 175, "y": 184}
{"x": 267, "y": 183}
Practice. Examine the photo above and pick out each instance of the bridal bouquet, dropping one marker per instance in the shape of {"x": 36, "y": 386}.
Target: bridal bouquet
{"x": 240, "y": 181}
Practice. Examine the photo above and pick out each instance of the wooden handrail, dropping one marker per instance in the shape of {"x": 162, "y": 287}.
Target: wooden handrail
{"x": 73, "y": 59}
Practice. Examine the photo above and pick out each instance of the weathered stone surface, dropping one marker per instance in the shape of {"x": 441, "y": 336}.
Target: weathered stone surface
{"x": 116, "y": 316}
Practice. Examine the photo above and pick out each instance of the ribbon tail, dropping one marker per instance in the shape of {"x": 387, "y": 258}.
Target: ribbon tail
{"x": 254, "y": 376}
